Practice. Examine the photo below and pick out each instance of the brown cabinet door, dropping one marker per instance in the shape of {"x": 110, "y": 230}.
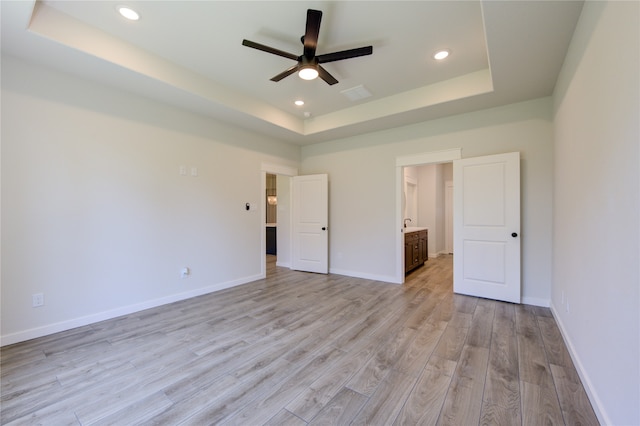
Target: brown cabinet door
{"x": 408, "y": 256}
{"x": 411, "y": 251}
{"x": 424, "y": 246}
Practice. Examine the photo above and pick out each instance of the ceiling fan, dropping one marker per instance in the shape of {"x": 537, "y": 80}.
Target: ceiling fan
{"x": 308, "y": 65}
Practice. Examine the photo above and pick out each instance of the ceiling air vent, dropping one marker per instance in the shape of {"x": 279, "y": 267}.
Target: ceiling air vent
{"x": 356, "y": 93}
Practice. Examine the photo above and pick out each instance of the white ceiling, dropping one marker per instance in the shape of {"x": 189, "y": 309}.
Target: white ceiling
{"x": 189, "y": 54}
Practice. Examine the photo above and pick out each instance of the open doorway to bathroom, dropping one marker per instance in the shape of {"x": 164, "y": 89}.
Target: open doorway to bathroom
{"x": 427, "y": 203}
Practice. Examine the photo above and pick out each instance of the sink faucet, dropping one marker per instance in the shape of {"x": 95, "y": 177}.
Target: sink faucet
{"x": 405, "y": 222}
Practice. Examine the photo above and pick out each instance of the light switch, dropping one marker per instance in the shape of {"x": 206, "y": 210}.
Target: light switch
{"x": 183, "y": 170}
{"x": 194, "y": 171}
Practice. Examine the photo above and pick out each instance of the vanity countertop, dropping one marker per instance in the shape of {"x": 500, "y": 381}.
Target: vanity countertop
{"x": 414, "y": 229}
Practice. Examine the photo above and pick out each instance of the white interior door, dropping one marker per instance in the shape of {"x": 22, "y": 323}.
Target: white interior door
{"x": 486, "y": 230}
{"x": 310, "y": 244}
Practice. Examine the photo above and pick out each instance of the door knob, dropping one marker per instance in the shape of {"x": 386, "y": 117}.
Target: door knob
{"x": 324, "y": 228}
{"x": 514, "y": 234}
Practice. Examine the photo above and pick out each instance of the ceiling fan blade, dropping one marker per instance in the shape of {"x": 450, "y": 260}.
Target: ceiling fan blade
{"x": 324, "y": 74}
{"x": 286, "y": 73}
{"x": 345, "y": 54}
{"x": 269, "y": 49}
{"x": 310, "y": 38}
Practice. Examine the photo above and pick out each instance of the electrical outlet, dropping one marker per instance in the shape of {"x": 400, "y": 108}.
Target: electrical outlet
{"x": 38, "y": 300}
{"x": 185, "y": 272}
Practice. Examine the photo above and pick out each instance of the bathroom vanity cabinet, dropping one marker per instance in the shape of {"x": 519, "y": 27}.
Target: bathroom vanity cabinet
{"x": 415, "y": 248}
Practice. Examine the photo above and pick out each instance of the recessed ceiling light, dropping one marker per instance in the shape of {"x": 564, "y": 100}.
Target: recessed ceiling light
{"x": 441, "y": 54}
{"x": 128, "y": 13}
{"x": 299, "y": 102}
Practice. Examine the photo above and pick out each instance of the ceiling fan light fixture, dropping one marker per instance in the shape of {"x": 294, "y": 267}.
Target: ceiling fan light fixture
{"x": 128, "y": 13}
{"x": 308, "y": 64}
{"x": 308, "y": 73}
{"x": 441, "y": 54}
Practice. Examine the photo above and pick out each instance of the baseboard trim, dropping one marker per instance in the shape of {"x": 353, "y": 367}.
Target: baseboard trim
{"x": 366, "y": 276}
{"x": 536, "y": 301}
{"x": 601, "y": 413}
{"x": 440, "y": 253}
{"x": 48, "y": 329}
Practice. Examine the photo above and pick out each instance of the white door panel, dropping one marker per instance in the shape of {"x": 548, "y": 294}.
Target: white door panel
{"x": 486, "y": 218}
{"x": 310, "y": 223}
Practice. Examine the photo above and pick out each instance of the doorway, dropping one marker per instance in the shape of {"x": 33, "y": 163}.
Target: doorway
{"x": 275, "y": 212}
{"x": 271, "y": 219}
{"x": 425, "y": 205}
{"x": 430, "y": 219}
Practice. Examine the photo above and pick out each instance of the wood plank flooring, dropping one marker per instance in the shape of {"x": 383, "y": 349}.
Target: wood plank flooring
{"x": 304, "y": 349}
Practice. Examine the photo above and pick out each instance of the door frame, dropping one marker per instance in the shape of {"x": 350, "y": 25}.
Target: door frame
{"x": 433, "y": 157}
{"x": 279, "y": 170}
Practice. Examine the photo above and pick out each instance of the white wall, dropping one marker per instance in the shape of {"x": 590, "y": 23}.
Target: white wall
{"x": 447, "y": 176}
{"x": 95, "y": 214}
{"x": 410, "y": 196}
{"x": 427, "y": 203}
{"x": 439, "y": 202}
{"x": 362, "y": 195}
{"x": 431, "y": 202}
{"x": 596, "y": 207}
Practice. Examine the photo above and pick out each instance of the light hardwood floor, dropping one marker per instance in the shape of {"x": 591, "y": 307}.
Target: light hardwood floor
{"x": 299, "y": 349}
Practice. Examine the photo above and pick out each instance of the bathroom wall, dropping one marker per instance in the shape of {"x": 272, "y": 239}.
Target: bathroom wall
{"x": 431, "y": 205}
